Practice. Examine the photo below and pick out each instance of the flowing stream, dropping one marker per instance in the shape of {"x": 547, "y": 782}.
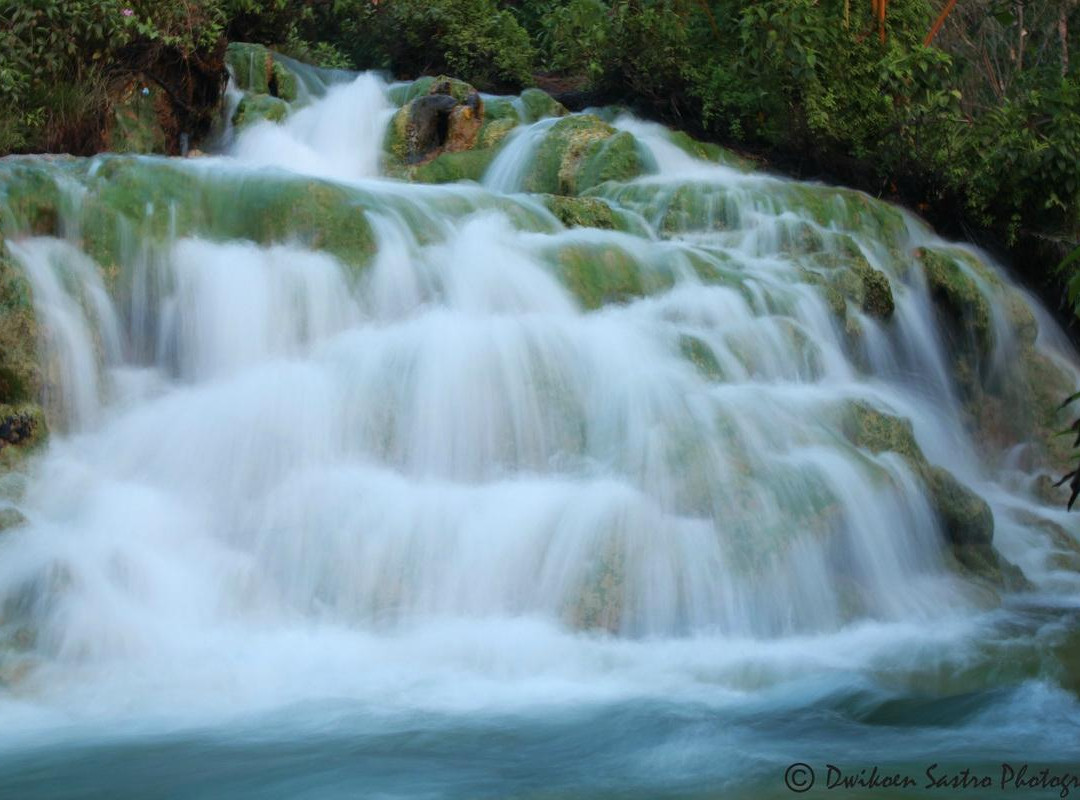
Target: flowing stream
{"x": 444, "y": 528}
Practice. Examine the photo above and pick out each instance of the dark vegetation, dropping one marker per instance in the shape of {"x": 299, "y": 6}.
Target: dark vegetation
{"x": 979, "y": 129}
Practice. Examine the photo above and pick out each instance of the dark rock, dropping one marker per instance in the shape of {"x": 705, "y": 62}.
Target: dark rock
{"x": 428, "y": 125}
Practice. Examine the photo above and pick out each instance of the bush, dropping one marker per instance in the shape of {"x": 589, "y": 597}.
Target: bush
{"x": 575, "y": 37}
{"x": 471, "y": 39}
{"x": 60, "y": 56}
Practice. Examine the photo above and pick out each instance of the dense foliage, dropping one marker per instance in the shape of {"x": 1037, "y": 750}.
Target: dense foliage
{"x": 981, "y": 126}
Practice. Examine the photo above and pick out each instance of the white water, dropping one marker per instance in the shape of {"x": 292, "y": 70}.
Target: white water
{"x": 446, "y": 487}
{"x": 339, "y": 137}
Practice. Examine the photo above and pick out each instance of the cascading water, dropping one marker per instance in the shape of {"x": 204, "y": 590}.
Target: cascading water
{"x": 459, "y": 524}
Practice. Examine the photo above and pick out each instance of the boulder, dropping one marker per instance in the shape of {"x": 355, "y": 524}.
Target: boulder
{"x": 251, "y": 67}
{"x": 494, "y": 131}
{"x": 582, "y": 212}
{"x": 579, "y": 153}
{"x": 258, "y": 108}
{"x": 868, "y": 289}
{"x": 268, "y": 86}
{"x": 538, "y": 104}
{"x": 962, "y": 308}
{"x": 446, "y": 119}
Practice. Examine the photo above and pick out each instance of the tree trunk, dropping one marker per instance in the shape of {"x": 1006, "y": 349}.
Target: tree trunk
{"x": 1063, "y": 32}
{"x": 1020, "y": 44}
{"x": 938, "y": 23}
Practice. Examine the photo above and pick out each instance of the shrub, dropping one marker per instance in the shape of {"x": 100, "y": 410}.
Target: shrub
{"x": 472, "y": 39}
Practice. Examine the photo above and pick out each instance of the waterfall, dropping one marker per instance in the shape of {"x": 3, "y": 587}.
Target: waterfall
{"x": 448, "y": 482}
{"x": 338, "y": 137}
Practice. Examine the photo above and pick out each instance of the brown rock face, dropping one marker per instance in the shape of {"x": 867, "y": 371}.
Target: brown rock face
{"x": 464, "y": 126}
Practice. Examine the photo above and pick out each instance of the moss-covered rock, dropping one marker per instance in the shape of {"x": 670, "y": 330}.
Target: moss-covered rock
{"x": 965, "y": 518}
{"x": 581, "y": 212}
{"x": 447, "y": 118}
{"x": 22, "y": 421}
{"x": 20, "y": 373}
{"x": 579, "y": 153}
{"x": 963, "y": 309}
{"x": 258, "y": 108}
{"x": 153, "y": 200}
{"x": 874, "y": 430}
{"x": 846, "y": 210}
{"x": 501, "y": 108}
{"x": 598, "y": 274}
{"x": 283, "y": 83}
{"x": 877, "y": 299}
{"x": 456, "y": 88}
{"x": 468, "y": 165}
{"x": 268, "y": 85}
{"x": 400, "y": 94}
{"x": 614, "y": 159}
{"x": 869, "y": 289}
{"x": 494, "y": 131}
{"x": 10, "y": 518}
{"x": 463, "y": 129}
{"x": 1010, "y": 390}
{"x": 251, "y": 66}
{"x": 707, "y": 151}
{"x": 538, "y": 104}
{"x": 22, "y": 429}
{"x": 701, "y": 356}
{"x": 30, "y": 197}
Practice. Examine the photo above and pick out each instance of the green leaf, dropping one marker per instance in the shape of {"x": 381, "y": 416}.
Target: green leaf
{"x": 1069, "y": 259}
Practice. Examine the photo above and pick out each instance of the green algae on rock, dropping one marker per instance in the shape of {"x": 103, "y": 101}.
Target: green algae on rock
{"x": 259, "y": 108}
{"x": 268, "y": 86}
{"x": 701, "y": 356}
{"x": 582, "y": 212}
{"x": 965, "y": 518}
{"x": 538, "y": 105}
{"x": 467, "y": 165}
{"x": 598, "y": 273}
{"x": 708, "y": 151}
{"x": 251, "y": 66}
{"x": 20, "y": 373}
{"x": 1009, "y": 397}
{"x": 579, "y": 153}
{"x": 122, "y": 200}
